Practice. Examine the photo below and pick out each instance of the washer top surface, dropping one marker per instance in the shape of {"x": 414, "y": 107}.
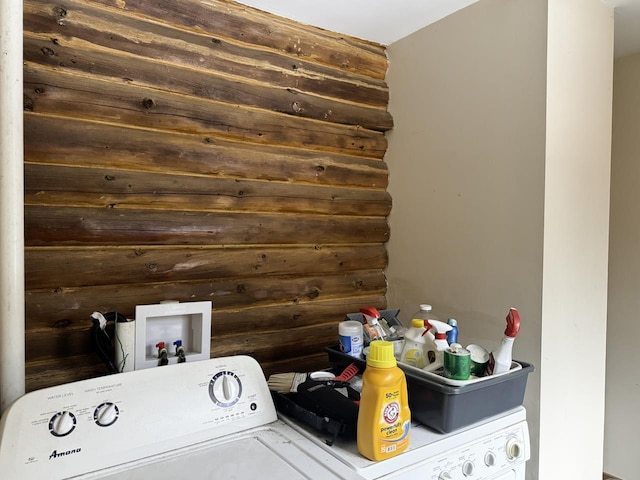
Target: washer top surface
{"x": 274, "y": 448}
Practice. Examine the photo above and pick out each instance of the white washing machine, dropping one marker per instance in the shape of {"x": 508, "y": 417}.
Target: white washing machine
{"x": 215, "y": 419}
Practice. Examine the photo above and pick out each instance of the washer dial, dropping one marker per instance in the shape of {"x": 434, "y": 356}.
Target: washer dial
{"x": 225, "y": 389}
{"x": 62, "y": 423}
{"x": 106, "y": 414}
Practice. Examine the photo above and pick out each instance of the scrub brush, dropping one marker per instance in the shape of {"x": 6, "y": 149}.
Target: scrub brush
{"x": 289, "y": 382}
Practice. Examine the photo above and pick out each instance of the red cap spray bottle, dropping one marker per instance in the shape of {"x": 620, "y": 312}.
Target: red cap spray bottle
{"x": 500, "y": 358}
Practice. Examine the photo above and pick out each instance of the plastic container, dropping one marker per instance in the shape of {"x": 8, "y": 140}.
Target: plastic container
{"x": 446, "y": 408}
{"x": 425, "y": 313}
{"x": 384, "y": 418}
{"x": 350, "y": 337}
{"x": 413, "y": 349}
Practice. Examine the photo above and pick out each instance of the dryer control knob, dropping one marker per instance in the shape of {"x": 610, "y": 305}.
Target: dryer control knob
{"x": 490, "y": 459}
{"x": 513, "y": 448}
{"x": 468, "y": 468}
{"x": 445, "y": 476}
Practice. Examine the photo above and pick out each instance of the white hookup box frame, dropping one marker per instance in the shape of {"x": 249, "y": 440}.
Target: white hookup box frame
{"x": 170, "y": 321}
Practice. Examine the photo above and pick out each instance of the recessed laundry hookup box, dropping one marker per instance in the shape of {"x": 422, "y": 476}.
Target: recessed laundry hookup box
{"x": 170, "y": 322}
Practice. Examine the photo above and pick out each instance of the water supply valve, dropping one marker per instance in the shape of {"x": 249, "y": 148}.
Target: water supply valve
{"x": 163, "y": 355}
{"x": 180, "y": 353}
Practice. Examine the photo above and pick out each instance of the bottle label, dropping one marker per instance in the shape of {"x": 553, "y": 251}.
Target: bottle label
{"x": 351, "y": 345}
{"x": 393, "y": 429}
{"x": 415, "y": 357}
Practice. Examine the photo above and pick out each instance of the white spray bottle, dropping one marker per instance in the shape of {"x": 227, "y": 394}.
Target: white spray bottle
{"x": 372, "y": 325}
{"x": 500, "y": 357}
{"x": 434, "y": 350}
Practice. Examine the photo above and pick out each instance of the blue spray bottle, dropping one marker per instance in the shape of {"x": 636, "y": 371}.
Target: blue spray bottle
{"x": 452, "y": 335}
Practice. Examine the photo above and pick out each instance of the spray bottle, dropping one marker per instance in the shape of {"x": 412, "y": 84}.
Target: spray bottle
{"x": 435, "y": 350}
{"x": 372, "y": 326}
{"x": 500, "y": 358}
{"x": 414, "y": 342}
{"x": 452, "y": 335}
{"x": 384, "y": 418}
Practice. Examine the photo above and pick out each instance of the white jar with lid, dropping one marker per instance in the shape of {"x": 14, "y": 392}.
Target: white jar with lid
{"x": 350, "y": 337}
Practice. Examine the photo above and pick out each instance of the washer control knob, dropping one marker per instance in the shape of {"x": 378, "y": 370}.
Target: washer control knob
{"x": 105, "y": 414}
{"x": 490, "y": 459}
{"x": 445, "y": 476}
{"x": 468, "y": 468}
{"x": 513, "y": 448}
{"x": 62, "y": 423}
{"x": 225, "y": 389}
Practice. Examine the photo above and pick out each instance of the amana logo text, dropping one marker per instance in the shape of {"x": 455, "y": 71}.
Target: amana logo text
{"x": 56, "y": 454}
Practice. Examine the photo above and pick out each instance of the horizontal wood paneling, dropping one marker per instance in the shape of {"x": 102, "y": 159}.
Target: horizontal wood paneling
{"x": 82, "y": 266}
{"x": 268, "y": 335}
{"x": 54, "y": 92}
{"x": 47, "y": 307}
{"x": 202, "y": 83}
{"x": 149, "y": 36}
{"x": 244, "y": 24}
{"x": 112, "y": 188}
{"x": 202, "y": 152}
{"x": 95, "y": 226}
{"x": 54, "y": 139}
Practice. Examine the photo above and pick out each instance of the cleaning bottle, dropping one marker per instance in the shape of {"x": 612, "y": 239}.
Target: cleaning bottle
{"x": 384, "y": 418}
{"x": 372, "y": 326}
{"x": 452, "y": 335}
{"x": 425, "y": 313}
{"x": 413, "y": 349}
{"x": 435, "y": 350}
{"x": 500, "y": 358}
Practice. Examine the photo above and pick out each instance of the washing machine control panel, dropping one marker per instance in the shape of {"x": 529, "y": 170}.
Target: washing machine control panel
{"x": 137, "y": 414}
{"x": 502, "y": 452}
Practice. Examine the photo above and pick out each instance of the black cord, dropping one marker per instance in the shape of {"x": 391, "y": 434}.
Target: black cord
{"x": 101, "y": 339}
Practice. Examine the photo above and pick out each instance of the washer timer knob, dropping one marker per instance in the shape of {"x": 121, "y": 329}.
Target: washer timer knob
{"x": 105, "y": 414}
{"x": 62, "y": 423}
{"x": 513, "y": 448}
{"x": 225, "y": 389}
{"x": 445, "y": 476}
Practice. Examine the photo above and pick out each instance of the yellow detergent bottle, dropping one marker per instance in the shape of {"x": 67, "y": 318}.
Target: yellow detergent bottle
{"x": 384, "y": 418}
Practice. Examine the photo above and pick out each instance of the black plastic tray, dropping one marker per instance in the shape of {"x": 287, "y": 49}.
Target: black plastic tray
{"x": 446, "y": 408}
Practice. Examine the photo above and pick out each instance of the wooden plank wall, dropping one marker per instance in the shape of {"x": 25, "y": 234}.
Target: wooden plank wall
{"x": 199, "y": 151}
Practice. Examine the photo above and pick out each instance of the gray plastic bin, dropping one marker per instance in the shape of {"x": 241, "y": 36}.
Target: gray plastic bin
{"x": 446, "y": 408}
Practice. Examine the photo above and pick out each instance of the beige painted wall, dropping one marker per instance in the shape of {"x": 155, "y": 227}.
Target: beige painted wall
{"x": 467, "y": 163}
{"x": 623, "y": 354}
